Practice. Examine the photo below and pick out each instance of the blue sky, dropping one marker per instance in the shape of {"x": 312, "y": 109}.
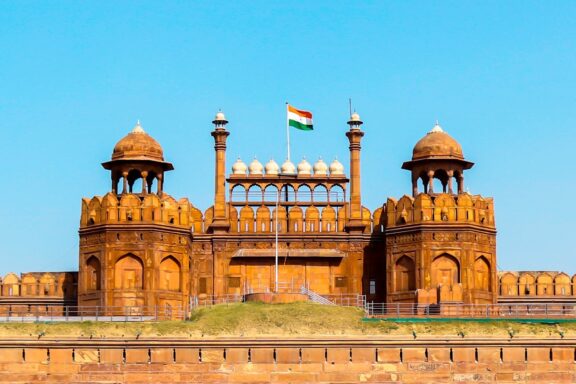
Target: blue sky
{"x": 75, "y": 76}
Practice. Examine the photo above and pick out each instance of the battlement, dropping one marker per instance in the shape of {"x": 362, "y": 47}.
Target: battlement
{"x": 136, "y": 208}
{"x": 292, "y": 218}
{"x": 39, "y": 284}
{"x": 536, "y": 283}
{"x": 440, "y": 208}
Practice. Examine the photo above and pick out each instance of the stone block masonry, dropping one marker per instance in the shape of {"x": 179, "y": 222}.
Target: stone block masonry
{"x": 321, "y": 360}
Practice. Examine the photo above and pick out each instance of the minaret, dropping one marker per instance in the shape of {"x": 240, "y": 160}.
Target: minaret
{"x": 220, "y": 221}
{"x": 355, "y": 136}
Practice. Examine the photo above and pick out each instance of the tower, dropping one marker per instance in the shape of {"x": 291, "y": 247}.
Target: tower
{"x": 440, "y": 242}
{"x": 355, "y": 134}
{"x": 134, "y": 243}
{"x": 220, "y": 221}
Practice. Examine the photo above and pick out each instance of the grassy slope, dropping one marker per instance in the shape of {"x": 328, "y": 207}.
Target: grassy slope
{"x": 296, "y": 319}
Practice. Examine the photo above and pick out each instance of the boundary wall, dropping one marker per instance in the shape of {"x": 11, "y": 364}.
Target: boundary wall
{"x": 288, "y": 361}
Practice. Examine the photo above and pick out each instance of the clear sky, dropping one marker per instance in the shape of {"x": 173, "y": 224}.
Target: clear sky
{"x": 75, "y": 76}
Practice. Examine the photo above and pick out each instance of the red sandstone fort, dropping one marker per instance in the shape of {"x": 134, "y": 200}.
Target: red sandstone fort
{"x": 140, "y": 247}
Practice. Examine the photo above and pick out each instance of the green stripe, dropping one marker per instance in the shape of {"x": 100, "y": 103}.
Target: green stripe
{"x": 298, "y": 125}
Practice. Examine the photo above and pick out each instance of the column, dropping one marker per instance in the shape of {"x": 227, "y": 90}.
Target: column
{"x": 220, "y": 222}
{"x": 355, "y": 135}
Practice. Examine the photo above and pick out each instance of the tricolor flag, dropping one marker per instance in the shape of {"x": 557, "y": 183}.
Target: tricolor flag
{"x": 299, "y": 119}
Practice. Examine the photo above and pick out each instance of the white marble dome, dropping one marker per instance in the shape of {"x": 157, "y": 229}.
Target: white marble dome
{"x": 320, "y": 168}
{"x": 239, "y": 167}
{"x": 255, "y": 167}
{"x": 272, "y": 167}
{"x": 288, "y": 167}
{"x": 336, "y": 168}
{"x": 304, "y": 167}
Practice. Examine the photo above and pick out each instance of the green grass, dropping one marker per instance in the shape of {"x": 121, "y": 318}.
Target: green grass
{"x": 294, "y": 319}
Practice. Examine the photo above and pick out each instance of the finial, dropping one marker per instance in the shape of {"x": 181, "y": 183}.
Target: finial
{"x": 138, "y": 128}
{"x": 437, "y": 127}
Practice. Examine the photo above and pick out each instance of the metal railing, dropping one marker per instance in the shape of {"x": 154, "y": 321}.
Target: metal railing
{"x": 41, "y": 313}
{"x": 544, "y": 310}
{"x": 202, "y": 301}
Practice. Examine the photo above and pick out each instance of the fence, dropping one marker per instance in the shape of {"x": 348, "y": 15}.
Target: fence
{"x": 552, "y": 310}
{"x": 42, "y": 313}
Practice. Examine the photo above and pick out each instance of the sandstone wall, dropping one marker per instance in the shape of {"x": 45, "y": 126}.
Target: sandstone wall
{"x": 149, "y": 362}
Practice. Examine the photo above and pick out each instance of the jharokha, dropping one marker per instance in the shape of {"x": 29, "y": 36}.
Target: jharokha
{"x": 139, "y": 246}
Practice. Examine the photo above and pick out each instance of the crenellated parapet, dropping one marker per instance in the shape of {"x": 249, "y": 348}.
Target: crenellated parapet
{"x": 441, "y": 208}
{"x": 143, "y": 209}
{"x": 62, "y": 285}
{"x": 535, "y": 284}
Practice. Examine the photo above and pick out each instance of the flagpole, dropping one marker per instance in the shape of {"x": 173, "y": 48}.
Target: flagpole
{"x": 287, "y": 132}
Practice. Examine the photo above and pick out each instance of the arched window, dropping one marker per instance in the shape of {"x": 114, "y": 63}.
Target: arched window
{"x": 320, "y": 193}
{"x": 445, "y": 271}
{"x": 404, "y": 274}
{"x": 287, "y": 193}
{"x": 304, "y": 193}
{"x": 255, "y": 193}
{"x": 170, "y": 274}
{"x": 129, "y": 273}
{"x": 337, "y": 194}
{"x": 238, "y": 193}
{"x": 93, "y": 274}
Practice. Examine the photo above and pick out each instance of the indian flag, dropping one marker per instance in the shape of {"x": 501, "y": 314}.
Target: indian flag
{"x": 299, "y": 119}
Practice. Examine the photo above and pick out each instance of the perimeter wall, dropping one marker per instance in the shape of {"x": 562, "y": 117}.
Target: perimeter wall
{"x": 318, "y": 361}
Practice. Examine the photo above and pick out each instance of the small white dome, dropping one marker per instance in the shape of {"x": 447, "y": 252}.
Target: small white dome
{"x": 272, "y": 168}
{"x": 288, "y": 167}
{"x": 336, "y": 168}
{"x": 320, "y": 167}
{"x": 239, "y": 167}
{"x": 304, "y": 168}
{"x": 220, "y": 116}
{"x": 355, "y": 117}
{"x": 255, "y": 167}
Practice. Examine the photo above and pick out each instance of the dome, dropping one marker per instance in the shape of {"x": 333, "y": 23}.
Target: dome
{"x": 239, "y": 167}
{"x": 138, "y": 145}
{"x": 304, "y": 168}
{"x": 255, "y": 167}
{"x": 272, "y": 168}
{"x": 437, "y": 144}
{"x": 320, "y": 167}
{"x": 288, "y": 167}
{"x": 336, "y": 168}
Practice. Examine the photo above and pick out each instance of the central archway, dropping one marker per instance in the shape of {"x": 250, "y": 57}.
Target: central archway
{"x": 129, "y": 273}
{"x": 445, "y": 271}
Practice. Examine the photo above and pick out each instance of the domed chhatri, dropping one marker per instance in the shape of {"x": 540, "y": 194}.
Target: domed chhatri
{"x": 437, "y": 156}
{"x": 255, "y": 167}
{"x": 138, "y": 145}
{"x": 288, "y": 168}
{"x": 320, "y": 168}
{"x": 239, "y": 167}
{"x": 137, "y": 156}
{"x": 336, "y": 168}
{"x": 272, "y": 167}
{"x": 437, "y": 144}
{"x": 304, "y": 167}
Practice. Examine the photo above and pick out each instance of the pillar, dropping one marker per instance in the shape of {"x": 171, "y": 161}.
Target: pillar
{"x": 220, "y": 222}
{"x": 430, "y": 182}
{"x": 450, "y": 176}
{"x": 355, "y": 135}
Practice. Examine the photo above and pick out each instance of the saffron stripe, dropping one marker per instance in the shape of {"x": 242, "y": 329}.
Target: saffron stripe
{"x": 299, "y": 112}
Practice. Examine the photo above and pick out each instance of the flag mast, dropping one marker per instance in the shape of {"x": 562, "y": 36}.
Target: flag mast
{"x": 287, "y": 132}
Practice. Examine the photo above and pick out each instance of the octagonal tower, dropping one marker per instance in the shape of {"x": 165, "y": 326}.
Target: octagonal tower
{"x": 440, "y": 244}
